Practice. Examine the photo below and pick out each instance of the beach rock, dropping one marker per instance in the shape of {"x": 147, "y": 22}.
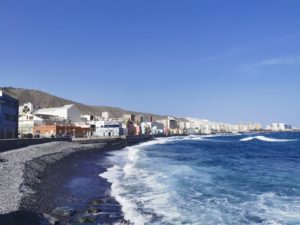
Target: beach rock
{"x": 110, "y": 207}
{"x": 103, "y": 216}
{"x": 109, "y": 201}
{"x": 64, "y": 211}
{"x": 84, "y": 223}
{"x": 2, "y": 160}
{"x": 97, "y": 201}
{"x": 123, "y": 221}
{"x": 94, "y": 210}
{"x": 86, "y": 218}
{"x": 50, "y": 219}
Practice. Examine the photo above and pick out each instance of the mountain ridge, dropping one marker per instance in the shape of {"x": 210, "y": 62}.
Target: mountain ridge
{"x": 41, "y": 99}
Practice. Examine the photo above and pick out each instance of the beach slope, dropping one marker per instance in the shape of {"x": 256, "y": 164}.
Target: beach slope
{"x": 19, "y": 169}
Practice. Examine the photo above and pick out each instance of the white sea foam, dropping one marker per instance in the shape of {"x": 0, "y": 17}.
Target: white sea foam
{"x": 155, "y": 191}
{"x": 266, "y": 139}
{"x": 273, "y": 209}
{"x": 114, "y": 176}
{"x": 193, "y": 137}
{"x": 222, "y": 135}
{"x": 211, "y": 137}
{"x": 117, "y": 176}
{"x": 143, "y": 194}
{"x": 137, "y": 189}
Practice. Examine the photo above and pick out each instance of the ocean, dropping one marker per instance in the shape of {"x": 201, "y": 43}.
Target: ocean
{"x": 214, "y": 179}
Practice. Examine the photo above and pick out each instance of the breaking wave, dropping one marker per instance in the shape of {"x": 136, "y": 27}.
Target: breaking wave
{"x": 179, "y": 180}
{"x": 263, "y": 138}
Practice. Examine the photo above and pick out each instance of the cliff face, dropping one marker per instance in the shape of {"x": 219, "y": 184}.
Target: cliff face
{"x": 44, "y": 100}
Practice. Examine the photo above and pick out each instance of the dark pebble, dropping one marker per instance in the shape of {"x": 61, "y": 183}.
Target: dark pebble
{"x": 94, "y": 210}
{"x": 50, "y": 219}
{"x": 97, "y": 202}
{"x": 86, "y": 218}
{"x": 64, "y": 211}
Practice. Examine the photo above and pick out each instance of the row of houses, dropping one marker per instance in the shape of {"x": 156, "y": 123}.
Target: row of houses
{"x": 27, "y": 120}
{"x": 67, "y": 121}
{"x": 279, "y": 127}
{"x": 210, "y": 127}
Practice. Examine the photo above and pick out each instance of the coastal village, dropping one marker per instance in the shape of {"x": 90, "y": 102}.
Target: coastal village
{"x": 44, "y": 136}
{"x": 28, "y": 121}
{"x": 149, "y": 112}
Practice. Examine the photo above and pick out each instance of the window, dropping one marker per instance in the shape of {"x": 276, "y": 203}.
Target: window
{"x": 111, "y": 126}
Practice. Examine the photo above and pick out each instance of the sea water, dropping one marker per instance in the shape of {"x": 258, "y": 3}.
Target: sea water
{"x": 217, "y": 179}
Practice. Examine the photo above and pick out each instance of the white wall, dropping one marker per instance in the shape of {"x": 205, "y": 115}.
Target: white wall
{"x": 68, "y": 112}
{"x": 73, "y": 114}
{"x": 108, "y": 129}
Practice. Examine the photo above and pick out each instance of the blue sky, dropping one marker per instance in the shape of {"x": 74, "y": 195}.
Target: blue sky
{"x": 226, "y": 61}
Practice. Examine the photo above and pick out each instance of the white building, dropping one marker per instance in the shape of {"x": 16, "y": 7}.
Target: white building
{"x": 108, "y": 129}
{"x": 207, "y": 127}
{"x": 26, "y": 108}
{"x": 247, "y": 127}
{"x": 184, "y": 124}
{"x": 68, "y": 112}
{"x": 27, "y": 122}
{"x": 201, "y": 126}
{"x": 106, "y": 115}
{"x": 278, "y": 127}
{"x": 243, "y": 127}
{"x": 87, "y": 118}
{"x": 153, "y": 128}
{"x": 145, "y": 128}
{"x": 157, "y": 128}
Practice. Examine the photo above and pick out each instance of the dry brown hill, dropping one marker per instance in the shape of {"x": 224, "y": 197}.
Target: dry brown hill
{"x": 44, "y": 100}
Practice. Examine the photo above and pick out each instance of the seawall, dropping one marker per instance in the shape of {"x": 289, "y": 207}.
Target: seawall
{"x": 114, "y": 141}
{"x": 9, "y": 144}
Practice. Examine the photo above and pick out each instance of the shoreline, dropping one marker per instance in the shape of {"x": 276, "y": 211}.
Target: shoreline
{"x": 23, "y": 171}
{"x": 12, "y": 168}
{"x": 74, "y": 182}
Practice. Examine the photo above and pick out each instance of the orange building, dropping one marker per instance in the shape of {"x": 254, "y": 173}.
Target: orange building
{"x": 60, "y": 130}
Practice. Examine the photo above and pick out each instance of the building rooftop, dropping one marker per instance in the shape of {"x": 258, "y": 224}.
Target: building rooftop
{"x": 47, "y": 110}
{"x": 3, "y": 94}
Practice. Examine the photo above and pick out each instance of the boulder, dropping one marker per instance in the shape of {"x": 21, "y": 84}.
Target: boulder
{"x": 50, "y": 219}
{"x": 64, "y": 211}
{"x": 97, "y": 201}
{"x": 123, "y": 221}
{"x": 94, "y": 210}
{"x": 82, "y": 219}
{"x": 103, "y": 216}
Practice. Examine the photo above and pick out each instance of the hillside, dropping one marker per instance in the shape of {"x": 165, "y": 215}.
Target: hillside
{"x": 44, "y": 100}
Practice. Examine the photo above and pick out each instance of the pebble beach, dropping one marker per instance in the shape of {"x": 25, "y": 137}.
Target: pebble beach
{"x": 21, "y": 170}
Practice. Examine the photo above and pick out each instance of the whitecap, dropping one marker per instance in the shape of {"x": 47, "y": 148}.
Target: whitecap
{"x": 266, "y": 139}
